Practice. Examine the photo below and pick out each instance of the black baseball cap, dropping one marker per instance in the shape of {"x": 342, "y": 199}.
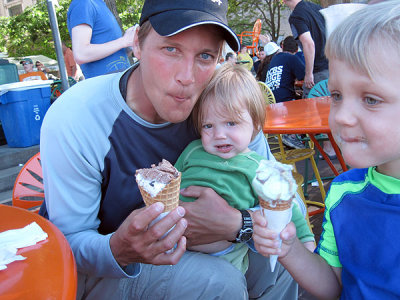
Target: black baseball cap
{"x": 171, "y": 17}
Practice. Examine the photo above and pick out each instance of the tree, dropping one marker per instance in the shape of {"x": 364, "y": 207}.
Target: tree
{"x": 242, "y": 15}
{"x": 112, "y": 5}
{"x": 30, "y": 33}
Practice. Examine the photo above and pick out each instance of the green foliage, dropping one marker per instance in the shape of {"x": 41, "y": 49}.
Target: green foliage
{"x": 129, "y": 12}
{"x": 242, "y": 15}
{"x": 30, "y": 33}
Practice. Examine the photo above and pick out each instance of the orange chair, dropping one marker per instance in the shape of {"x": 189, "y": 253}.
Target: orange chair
{"x": 253, "y": 36}
{"x": 28, "y": 189}
{"x": 37, "y": 75}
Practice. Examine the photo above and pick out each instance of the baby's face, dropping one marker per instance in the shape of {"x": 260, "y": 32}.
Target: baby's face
{"x": 223, "y": 136}
{"x": 365, "y": 113}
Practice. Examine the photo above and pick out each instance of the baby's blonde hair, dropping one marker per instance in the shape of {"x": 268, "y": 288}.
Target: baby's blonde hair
{"x": 373, "y": 28}
{"x": 232, "y": 89}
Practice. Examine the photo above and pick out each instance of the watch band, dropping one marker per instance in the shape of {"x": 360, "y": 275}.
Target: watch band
{"x": 246, "y": 232}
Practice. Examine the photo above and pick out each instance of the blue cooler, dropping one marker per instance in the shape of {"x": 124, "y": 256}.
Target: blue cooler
{"x": 22, "y": 109}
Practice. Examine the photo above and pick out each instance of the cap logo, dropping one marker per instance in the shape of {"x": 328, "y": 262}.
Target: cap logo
{"x": 217, "y": 1}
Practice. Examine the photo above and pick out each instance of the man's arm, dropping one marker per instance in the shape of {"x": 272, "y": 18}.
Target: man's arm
{"x": 85, "y": 52}
{"x": 210, "y": 218}
{"x": 309, "y": 55}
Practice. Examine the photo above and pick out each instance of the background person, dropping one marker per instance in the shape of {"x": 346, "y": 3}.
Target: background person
{"x": 97, "y": 41}
{"x": 73, "y": 69}
{"x": 261, "y": 56}
{"x": 117, "y": 123}
{"x": 270, "y": 50}
{"x": 230, "y": 58}
{"x": 244, "y": 58}
{"x": 356, "y": 256}
{"x": 308, "y": 26}
{"x": 30, "y": 74}
{"x": 283, "y": 70}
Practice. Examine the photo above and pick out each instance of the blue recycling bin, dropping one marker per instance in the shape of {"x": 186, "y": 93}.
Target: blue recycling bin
{"x": 23, "y": 107}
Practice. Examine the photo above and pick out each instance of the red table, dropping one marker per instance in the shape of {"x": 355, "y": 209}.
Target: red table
{"x": 304, "y": 116}
{"x": 49, "y": 270}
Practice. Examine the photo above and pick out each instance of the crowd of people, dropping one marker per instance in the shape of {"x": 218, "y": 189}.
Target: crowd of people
{"x": 179, "y": 102}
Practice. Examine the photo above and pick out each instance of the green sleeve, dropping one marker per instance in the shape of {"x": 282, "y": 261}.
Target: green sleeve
{"x": 327, "y": 247}
{"x": 303, "y": 231}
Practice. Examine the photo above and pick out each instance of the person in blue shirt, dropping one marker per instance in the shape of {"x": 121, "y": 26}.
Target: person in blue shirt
{"x": 97, "y": 41}
{"x": 283, "y": 70}
{"x": 359, "y": 250}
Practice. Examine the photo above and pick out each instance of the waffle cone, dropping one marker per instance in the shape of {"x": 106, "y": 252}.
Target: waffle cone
{"x": 275, "y": 204}
{"x": 169, "y": 195}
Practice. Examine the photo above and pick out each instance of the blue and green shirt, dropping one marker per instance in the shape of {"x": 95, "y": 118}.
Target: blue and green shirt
{"x": 361, "y": 233}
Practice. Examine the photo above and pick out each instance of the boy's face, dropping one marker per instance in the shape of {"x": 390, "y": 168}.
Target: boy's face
{"x": 223, "y": 136}
{"x": 174, "y": 71}
{"x": 365, "y": 113}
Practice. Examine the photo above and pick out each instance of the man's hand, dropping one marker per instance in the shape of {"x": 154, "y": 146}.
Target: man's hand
{"x": 309, "y": 80}
{"x": 210, "y": 218}
{"x": 135, "y": 242}
{"x": 128, "y": 36}
{"x": 265, "y": 240}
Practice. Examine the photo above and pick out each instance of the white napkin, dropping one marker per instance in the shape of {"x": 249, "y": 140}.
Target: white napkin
{"x": 12, "y": 240}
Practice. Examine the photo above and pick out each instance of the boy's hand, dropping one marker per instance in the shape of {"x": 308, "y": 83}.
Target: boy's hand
{"x": 265, "y": 240}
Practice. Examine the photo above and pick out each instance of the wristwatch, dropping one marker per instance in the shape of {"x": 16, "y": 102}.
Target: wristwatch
{"x": 246, "y": 232}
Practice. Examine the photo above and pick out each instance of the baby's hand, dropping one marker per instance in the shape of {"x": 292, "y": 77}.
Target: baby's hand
{"x": 265, "y": 240}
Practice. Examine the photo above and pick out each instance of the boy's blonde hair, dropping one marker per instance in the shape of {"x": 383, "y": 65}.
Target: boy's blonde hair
{"x": 373, "y": 28}
{"x": 232, "y": 89}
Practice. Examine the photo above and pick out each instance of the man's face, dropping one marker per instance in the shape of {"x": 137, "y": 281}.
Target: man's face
{"x": 173, "y": 72}
{"x": 28, "y": 67}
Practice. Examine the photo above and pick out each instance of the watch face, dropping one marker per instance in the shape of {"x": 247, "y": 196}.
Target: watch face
{"x": 246, "y": 235}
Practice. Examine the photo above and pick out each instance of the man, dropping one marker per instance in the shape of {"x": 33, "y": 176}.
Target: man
{"x": 308, "y": 26}
{"x": 27, "y": 63}
{"x": 100, "y": 131}
{"x": 97, "y": 41}
{"x": 283, "y": 70}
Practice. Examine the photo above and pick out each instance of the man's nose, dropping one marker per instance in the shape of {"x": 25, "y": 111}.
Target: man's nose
{"x": 185, "y": 74}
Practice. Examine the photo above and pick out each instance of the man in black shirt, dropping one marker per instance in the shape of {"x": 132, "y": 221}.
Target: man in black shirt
{"x": 308, "y": 26}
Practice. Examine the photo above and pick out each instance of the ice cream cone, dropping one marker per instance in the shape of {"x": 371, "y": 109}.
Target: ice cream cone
{"x": 169, "y": 196}
{"x": 275, "y": 204}
{"x": 278, "y": 214}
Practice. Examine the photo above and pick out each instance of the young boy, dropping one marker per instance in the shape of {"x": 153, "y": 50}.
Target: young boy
{"x": 228, "y": 115}
{"x": 358, "y": 254}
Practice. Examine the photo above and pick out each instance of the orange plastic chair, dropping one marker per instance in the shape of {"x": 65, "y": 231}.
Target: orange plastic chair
{"x": 28, "y": 189}
{"x": 252, "y": 35}
{"x": 40, "y": 74}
